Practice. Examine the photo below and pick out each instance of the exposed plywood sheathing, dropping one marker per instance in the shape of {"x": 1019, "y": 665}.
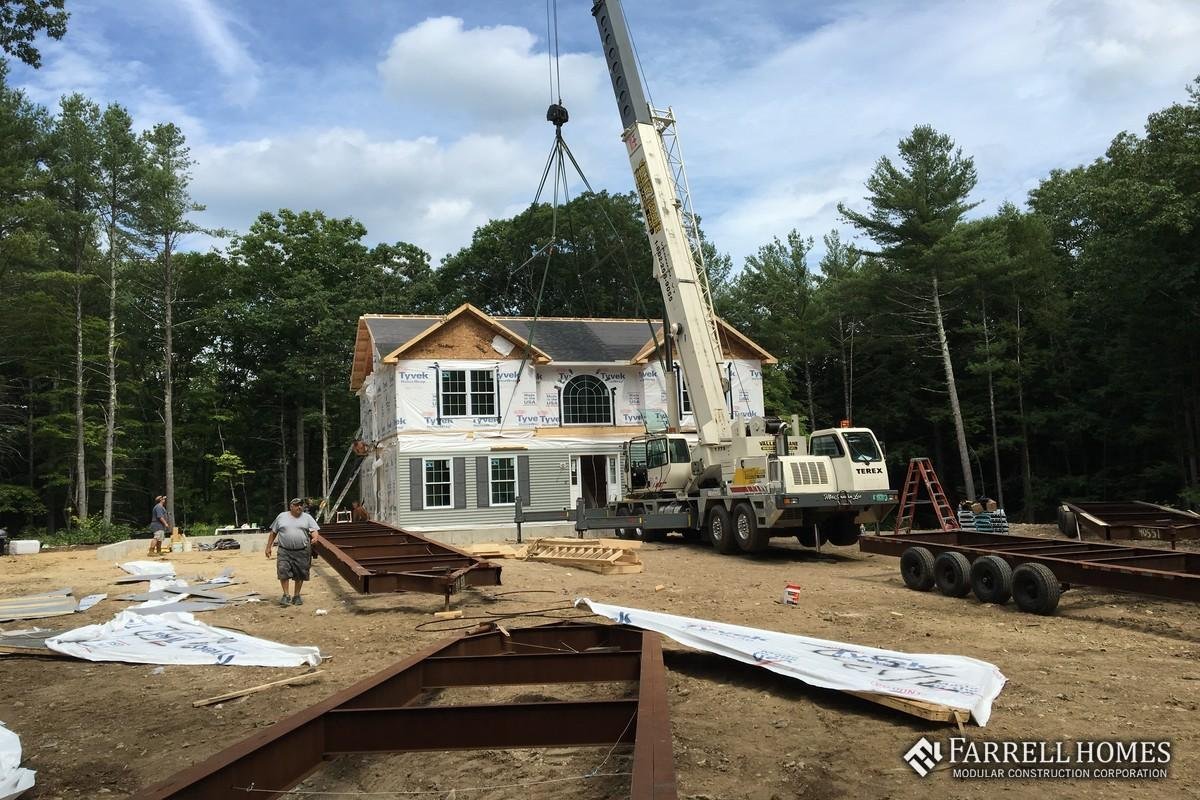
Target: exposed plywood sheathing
{"x": 464, "y": 333}
{"x": 616, "y": 432}
{"x": 733, "y": 345}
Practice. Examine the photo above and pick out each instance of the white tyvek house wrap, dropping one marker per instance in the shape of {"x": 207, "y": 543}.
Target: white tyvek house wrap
{"x": 176, "y": 638}
{"x": 622, "y": 383}
{"x": 955, "y": 681}
{"x": 14, "y": 779}
{"x": 417, "y": 393}
{"x": 745, "y": 390}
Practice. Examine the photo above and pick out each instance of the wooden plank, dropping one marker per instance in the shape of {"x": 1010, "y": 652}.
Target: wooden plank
{"x": 917, "y": 708}
{"x": 208, "y": 701}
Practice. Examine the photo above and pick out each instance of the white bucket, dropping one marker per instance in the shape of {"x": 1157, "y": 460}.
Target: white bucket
{"x": 177, "y": 547}
{"x": 24, "y": 547}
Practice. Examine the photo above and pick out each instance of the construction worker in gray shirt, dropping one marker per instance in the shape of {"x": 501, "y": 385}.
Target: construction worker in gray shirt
{"x": 295, "y": 530}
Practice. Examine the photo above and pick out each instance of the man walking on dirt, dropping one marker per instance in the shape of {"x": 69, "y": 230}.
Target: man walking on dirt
{"x": 159, "y": 523}
{"x": 296, "y": 530}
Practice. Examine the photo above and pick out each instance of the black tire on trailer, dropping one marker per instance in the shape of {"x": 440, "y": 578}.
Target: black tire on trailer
{"x": 991, "y": 580}
{"x": 749, "y": 536}
{"x": 952, "y": 573}
{"x": 719, "y": 530}
{"x": 692, "y": 535}
{"x": 1036, "y": 589}
{"x": 916, "y": 567}
{"x": 1058, "y": 515}
{"x": 1070, "y": 525}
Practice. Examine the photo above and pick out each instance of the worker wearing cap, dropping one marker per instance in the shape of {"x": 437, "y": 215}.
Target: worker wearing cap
{"x": 296, "y": 530}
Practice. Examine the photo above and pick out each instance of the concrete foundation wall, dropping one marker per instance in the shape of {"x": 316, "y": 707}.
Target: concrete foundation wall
{"x": 131, "y": 549}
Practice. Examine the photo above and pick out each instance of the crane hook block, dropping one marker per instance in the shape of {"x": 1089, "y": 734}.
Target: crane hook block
{"x": 557, "y": 114}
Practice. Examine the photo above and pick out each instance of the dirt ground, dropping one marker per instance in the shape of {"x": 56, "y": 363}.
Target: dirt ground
{"x": 1105, "y": 666}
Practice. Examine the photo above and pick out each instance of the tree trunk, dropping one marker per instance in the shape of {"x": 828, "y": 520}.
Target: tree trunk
{"x": 1026, "y": 465}
{"x": 283, "y": 455}
{"x": 81, "y": 498}
{"x": 845, "y": 367}
{"x": 168, "y": 356}
{"x": 812, "y": 409}
{"x": 301, "y": 484}
{"x": 110, "y": 424}
{"x": 952, "y": 389}
{"x": 324, "y": 445}
{"x": 987, "y": 350}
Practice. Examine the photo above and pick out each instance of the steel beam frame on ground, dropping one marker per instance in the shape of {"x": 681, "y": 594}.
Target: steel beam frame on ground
{"x": 376, "y": 558}
{"x": 380, "y": 713}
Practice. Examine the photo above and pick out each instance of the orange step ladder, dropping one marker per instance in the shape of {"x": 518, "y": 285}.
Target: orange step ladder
{"x": 920, "y": 471}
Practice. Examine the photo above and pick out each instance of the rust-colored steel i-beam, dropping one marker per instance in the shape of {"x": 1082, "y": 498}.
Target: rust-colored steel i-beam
{"x": 374, "y": 558}
{"x": 380, "y": 714}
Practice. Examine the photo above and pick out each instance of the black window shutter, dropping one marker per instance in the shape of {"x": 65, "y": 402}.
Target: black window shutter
{"x": 523, "y": 480}
{"x": 483, "y": 498}
{"x": 460, "y": 482}
{"x": 416, "y": 484}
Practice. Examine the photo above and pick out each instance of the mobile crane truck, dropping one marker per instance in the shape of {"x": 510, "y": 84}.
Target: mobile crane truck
{"x": 735, "y": 482}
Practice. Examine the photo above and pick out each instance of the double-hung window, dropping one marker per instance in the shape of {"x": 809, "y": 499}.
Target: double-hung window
{"x": 468, "y": 393}
{"x": 502, "y": 480}
{"x": 437, "y": 483}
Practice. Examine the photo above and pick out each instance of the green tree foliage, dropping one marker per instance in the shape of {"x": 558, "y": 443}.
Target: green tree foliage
{"x": 590, "y": 258}
{"x": 914, "y": 209}
{"x": 22, "y": 20}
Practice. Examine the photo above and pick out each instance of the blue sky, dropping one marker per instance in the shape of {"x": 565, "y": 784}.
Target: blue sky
{"x": 426, "y": 119}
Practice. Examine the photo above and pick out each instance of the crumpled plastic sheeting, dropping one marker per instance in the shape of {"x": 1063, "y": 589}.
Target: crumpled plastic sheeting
{"x": 955, "y": 681}
{"x": 176, "y": 638}
{"x": 14, "y": 779}
{"x": 156, "y": 568}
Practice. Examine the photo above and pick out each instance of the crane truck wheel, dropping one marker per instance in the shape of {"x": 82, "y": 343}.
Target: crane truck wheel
{"x": 991, "y": 580}
{"x": 807, "y": 537}
{"x": 916, "y": 567}
{"x": 839, "y": 530}
{"x": 952, "y": 573}
{"x": 750, "y": 537}
{"x": 719, "y": 529}
{"x": 1036, "y": 589}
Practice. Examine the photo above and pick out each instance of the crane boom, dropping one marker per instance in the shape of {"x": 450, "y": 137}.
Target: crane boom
{"x": 680, "y": 276}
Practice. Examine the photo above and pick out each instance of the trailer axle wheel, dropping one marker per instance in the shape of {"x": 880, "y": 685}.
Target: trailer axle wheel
{"x": 1035, "y": 589}
{"x": 916, "y": 567}
{"x": 991, "y": 580}
{"x": 952, "y": 573}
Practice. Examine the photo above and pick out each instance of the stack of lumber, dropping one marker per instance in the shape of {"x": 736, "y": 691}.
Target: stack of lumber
{"x": 493, "y": 550}
{"x": 606, "y": 556}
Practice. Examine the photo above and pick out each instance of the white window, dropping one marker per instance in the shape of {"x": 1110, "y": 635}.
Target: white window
{"x": 468, "y": 393}
{"x": 438, "y": 483}
{"x": 502, "y": 480}
{"x": 685, "y": 399}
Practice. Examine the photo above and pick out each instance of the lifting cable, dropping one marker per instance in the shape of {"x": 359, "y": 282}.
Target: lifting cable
{"x": 560, "y": 153}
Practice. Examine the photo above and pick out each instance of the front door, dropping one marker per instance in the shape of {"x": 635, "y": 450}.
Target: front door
{"x": 590, "y": 480}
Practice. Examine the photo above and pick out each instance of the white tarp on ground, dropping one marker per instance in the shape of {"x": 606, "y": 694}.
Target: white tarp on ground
{"x": 955, "y": 681}
{"x": 156, "y": 568}
{"x": 14, "y": 779}
{"x": 176, "y": 638}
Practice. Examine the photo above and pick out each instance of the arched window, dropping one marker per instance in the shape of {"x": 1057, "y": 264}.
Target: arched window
{"x": 586, "y": 401}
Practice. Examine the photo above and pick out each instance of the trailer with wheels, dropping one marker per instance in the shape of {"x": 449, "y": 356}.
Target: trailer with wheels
{"x": 1033, "y": 571}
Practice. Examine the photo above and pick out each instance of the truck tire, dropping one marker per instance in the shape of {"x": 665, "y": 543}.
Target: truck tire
{"x": 991, "y": 580}
{"x": 749, "y": 536}
{"x": 952, "y": 573}
{"x": 1036, "y": 589}
{"x": 807, "y": 536}
{"x": 692, "y": 535}
{"x": 838, "y": 530}
{"x": 916, "y": 567}
{"x": 719, "y": 530}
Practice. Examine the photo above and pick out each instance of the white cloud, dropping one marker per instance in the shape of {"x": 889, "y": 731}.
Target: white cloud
{"x": 423, "y": 191}
{"x": 493, "y": 75}
{"x": 230, "y": 56}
